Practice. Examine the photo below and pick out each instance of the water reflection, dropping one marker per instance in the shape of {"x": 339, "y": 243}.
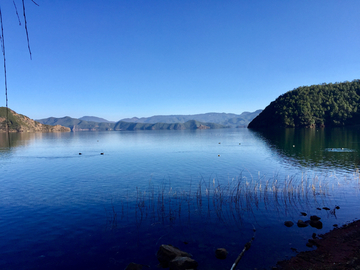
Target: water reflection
{"x": 321, "y": 148}
{"x": 18, "y": 139}
{"x": 96, "y": 208}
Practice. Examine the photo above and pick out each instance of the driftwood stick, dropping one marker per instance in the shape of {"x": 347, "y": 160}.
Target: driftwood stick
{"x": 246, "y": 247}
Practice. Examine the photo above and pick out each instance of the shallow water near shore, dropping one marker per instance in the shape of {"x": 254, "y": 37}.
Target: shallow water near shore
{"x": 197, "y": 190}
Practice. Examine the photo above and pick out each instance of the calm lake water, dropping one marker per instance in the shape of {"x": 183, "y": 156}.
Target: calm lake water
{"x": 197, "y": 190}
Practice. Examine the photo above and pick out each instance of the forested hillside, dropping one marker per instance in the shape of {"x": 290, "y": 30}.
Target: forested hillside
{"x": 316, "y": 105}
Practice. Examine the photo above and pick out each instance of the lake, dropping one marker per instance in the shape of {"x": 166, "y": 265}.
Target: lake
{"x": 129, "y": 192}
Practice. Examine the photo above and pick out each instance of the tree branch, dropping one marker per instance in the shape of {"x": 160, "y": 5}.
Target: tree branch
{"x": 246, "y": 247}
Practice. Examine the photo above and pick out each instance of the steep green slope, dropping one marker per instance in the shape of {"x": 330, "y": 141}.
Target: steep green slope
{"x": 335, "y": 104}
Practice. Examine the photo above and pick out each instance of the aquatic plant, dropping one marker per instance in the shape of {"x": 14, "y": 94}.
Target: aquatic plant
{"x": 230, "y": 201}
{"x": 111, "y": 217}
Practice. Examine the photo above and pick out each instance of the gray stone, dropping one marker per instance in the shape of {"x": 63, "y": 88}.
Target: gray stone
{"x": 167, "y": 253}
{"x": 183, "y": 263}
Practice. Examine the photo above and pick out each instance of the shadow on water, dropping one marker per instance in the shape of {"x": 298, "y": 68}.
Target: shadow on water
{"x": 325, "y": 148}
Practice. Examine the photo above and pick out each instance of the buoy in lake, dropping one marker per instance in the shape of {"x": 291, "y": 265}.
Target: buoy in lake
{"x": 219, "y": 142}
{"x": 79, "y": 153}
{"x": 293, "y": 145}
{"x": 218, "y": 155}
{"x": 101, "y": 153}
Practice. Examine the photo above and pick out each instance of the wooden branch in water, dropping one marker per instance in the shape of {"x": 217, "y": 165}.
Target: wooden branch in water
{"x": 246, "y": 247}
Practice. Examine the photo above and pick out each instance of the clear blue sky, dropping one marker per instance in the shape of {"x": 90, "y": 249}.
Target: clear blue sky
{"x": 117, "y": 59}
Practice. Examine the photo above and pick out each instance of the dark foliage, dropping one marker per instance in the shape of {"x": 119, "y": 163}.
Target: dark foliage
{"x": 330, "y": 104}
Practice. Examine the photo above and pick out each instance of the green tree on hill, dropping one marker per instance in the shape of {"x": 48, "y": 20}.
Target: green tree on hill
{"x": 316, "y": 105}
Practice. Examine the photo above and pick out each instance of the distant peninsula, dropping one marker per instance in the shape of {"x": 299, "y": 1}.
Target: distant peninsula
{"x": 160, "y": 122}
{"x": 22, "y": 123}
{"x": 331, "y": 105}
{"x": 80, "y": 125}
{"x": 226, "y": 119}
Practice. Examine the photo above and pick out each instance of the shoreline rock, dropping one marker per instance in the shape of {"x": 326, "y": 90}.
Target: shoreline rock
{"x": 337, "y": 249}
{"x": 176, "y": 259}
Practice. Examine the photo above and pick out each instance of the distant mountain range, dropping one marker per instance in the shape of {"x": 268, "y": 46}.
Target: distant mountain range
{"x": 226, "y": 119}
{"x": 79, "y": 125}
{"x": 159, "y": 122}
{"x": 95, "y": 119}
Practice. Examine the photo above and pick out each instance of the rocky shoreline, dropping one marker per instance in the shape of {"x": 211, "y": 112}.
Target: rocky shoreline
{"x": 338, "y": 249}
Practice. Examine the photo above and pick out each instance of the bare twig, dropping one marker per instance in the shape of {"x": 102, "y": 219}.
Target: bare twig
{"x": 35, "y": 2}
{"x": 26, "y": 30}
{"x": 16, "y": 11}
{"x": 4, "y": 58}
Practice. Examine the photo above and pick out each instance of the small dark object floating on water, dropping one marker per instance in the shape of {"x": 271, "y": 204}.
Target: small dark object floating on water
{"x": 101, "y": 153}
{"x": 326, "y": 208}
{"x": 303, "y": 214}
{"x": 80, "y": 154}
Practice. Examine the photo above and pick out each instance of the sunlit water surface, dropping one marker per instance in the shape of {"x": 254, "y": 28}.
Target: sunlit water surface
{"x": 197, "y": 190}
